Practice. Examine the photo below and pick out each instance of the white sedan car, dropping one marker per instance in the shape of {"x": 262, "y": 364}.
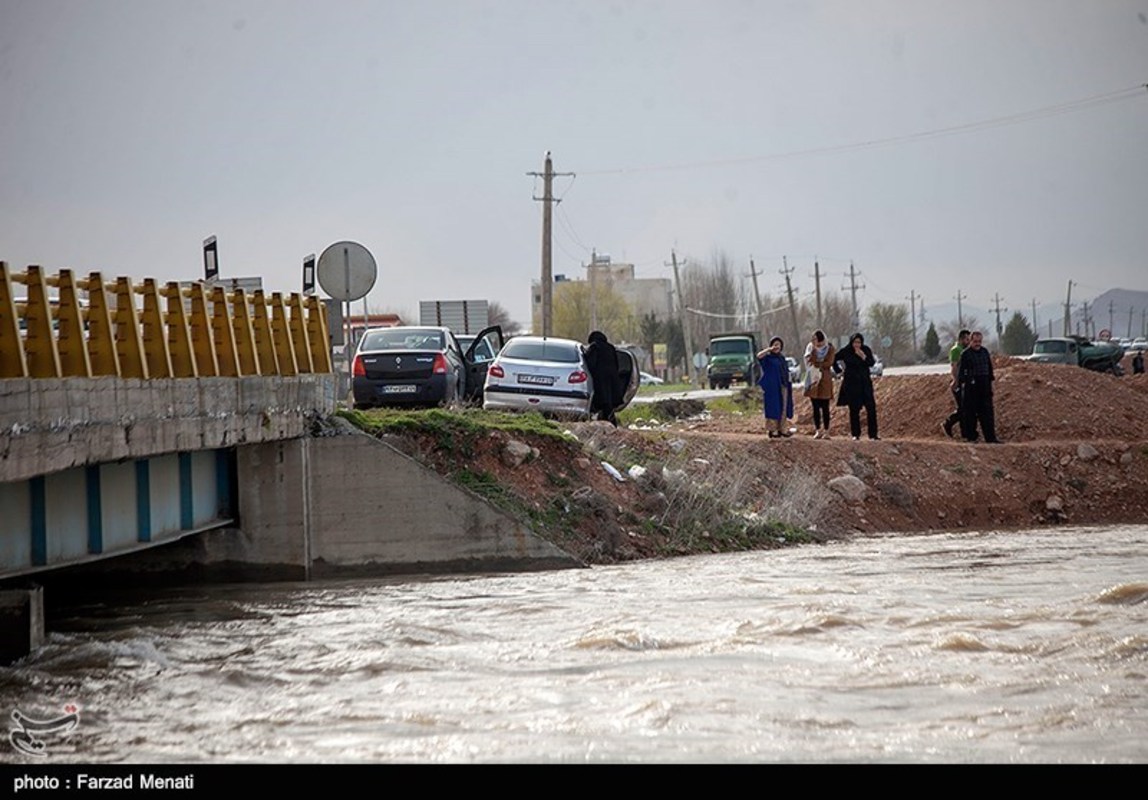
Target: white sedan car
{"x": 535, "y": 373}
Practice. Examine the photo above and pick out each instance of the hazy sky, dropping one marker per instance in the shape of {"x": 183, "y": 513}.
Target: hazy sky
{"x": 130, "y": 130}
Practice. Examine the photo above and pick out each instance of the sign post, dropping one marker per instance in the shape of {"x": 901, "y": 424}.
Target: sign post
{"x": 347, "y": 271}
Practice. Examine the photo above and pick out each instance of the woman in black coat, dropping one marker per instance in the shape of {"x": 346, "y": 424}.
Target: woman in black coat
{"x": 602, "y": 361}
{"x": 857, "y": 385}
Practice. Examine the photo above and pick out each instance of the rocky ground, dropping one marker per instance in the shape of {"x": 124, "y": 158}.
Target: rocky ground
{"x": 1075, "y": 452}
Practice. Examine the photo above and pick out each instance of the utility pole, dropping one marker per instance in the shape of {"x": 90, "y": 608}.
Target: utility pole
{"x": 753, "y": 273}
{"x": 685, "y": 320}
{"x": 853, "y": 293}
{"x": 593, "y": 295}
{"x": 913, "y": 315}
{"x": 1086, "y": 319}
{"x": 1111, "y": 311}
{"x": 960, "y": 313}
{"x": 786, "y": 270}
{"x": 1129, "y": 334}
{"x": 1068, "y": 311}
{"x": 817, "y": 287}
{"x": 548, "y": 201}
{"x": 1034, "y": 317}
{"x": 1000, "y": 330}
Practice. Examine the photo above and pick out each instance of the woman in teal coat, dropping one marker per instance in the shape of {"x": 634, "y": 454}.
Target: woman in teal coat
{"x": 776, "y": 388}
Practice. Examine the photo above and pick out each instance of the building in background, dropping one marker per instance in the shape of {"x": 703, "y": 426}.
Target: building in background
{"x": 642, "y": 296}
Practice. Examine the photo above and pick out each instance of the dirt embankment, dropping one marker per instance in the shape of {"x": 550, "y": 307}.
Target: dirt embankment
{"x": 1075, "y": 452}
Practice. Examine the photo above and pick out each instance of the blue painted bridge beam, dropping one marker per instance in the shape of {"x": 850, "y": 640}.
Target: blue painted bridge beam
{"x": 92, "y": 512}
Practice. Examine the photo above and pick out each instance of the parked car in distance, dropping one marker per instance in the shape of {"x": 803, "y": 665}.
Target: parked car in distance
{"x": 418, "y": 365}
{"x": 484, "y": 351}
{"x": 548, "y": 375}
{"x": 1099, "y": 356}
{"x": 650, "y": 380}
{"x": 794, "y": 370}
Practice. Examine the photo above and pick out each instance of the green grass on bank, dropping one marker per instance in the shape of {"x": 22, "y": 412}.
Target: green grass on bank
{"x": 438, "y": 422}
{"x": 665, "y": 388}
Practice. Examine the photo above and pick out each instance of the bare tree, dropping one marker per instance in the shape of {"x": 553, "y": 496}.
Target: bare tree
{"x": 836, "y": 318}
{"x": 949, "y": 330}
{"x": 720, "y": 298}
{"x": 500, "y": 316}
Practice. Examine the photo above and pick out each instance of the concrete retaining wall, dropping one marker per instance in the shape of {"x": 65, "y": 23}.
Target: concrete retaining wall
{"x": 375, "y": 509}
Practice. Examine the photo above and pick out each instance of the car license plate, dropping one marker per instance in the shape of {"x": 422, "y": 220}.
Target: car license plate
{"x": 400, "y": 389}
{"x": 543, "y": 380}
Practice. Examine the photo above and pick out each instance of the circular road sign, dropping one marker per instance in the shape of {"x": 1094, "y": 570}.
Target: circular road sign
{"x": 886, "y": 342}
{"x": 1106, "y": 334}
{"x": 346, "y": 271}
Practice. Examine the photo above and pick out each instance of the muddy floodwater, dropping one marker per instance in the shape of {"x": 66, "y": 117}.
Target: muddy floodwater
{"x": 977, "y": 647}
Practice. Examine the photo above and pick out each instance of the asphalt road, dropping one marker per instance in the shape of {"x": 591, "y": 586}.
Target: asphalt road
{"x": 709, "y": 394}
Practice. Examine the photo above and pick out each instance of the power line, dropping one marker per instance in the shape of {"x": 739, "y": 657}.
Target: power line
{"x": 1070, "y": 107}
{"x": 565, "y": 220}
{"x": 715, "y": 315}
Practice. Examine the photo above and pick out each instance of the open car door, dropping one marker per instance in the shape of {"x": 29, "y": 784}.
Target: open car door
{"x": 478, "y": 358}
{"x": 630, "y": 375}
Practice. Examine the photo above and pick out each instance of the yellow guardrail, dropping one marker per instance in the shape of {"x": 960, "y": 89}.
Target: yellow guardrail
{"x": 95, "y": 327}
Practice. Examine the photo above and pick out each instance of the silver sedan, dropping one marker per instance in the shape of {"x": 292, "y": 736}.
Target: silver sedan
{"x": 541, "y": 374}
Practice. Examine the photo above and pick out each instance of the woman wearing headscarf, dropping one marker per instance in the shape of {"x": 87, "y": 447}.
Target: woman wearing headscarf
{"x": 776, "y": 388}
{"x": 819, "y": 357}
{"x": 602, "y": 362}
{"x": 857, "y": 385}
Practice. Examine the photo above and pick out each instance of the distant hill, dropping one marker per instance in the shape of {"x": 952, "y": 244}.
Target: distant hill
{"x": 1123, "y": 311}
{"x": 1109, "y": 310}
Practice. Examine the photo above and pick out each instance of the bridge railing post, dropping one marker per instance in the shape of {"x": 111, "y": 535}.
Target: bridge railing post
{"x": 109, "y": 334}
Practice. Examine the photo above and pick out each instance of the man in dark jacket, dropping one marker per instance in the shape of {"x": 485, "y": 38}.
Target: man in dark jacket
{"x": 976, "y": 378}
{"x": 602, "y": 361}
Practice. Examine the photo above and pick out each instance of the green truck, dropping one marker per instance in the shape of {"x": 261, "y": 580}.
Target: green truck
{"x": 732, "y": 359}
{"x": 1098, "y": 356}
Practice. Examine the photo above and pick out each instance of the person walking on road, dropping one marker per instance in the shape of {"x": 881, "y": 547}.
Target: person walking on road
{"x": 776, "y": 388}
{"x": 976, "y": 379}
{"x": 819, "y": 357}
{"x": 857, "y": 386}
{"x": 954, "y": 385}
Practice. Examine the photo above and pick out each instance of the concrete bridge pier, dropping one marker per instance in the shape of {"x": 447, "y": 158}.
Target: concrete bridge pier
{"x": 22, "y": 621}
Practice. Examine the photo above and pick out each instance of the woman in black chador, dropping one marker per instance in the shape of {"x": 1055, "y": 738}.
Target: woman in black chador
{"x": 857, "y": 385}
{"x": 602, "y": 361}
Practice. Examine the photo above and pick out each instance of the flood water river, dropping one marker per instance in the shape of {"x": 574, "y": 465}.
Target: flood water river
{"x": 969, "y": 648}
